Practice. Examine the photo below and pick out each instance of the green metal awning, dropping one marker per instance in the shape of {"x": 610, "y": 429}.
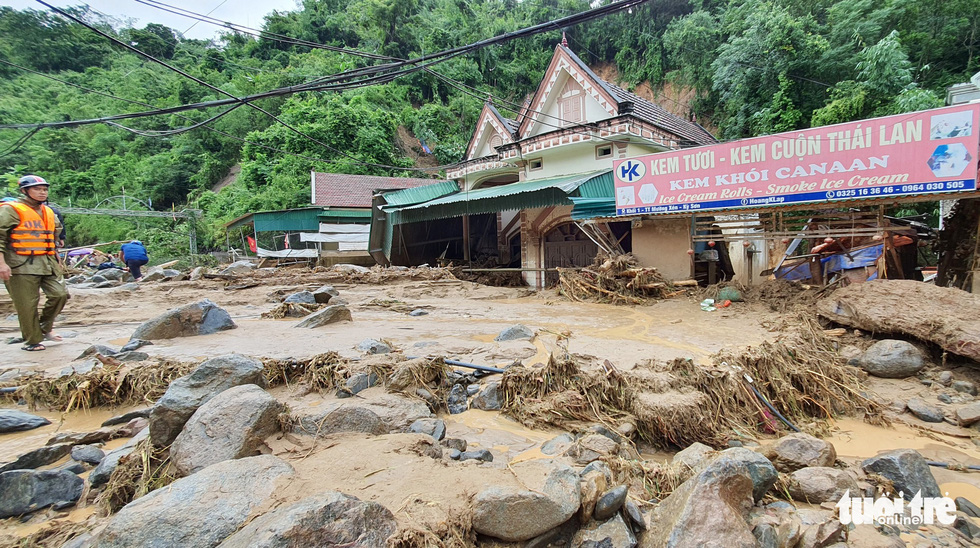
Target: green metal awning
{"x": 591, "y": 208}
{"x": 348, "y": 213}
{"x": 515, "y": 196}
{"x": 417, "y": 195}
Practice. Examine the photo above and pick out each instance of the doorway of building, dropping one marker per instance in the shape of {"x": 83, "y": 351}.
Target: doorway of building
{"x": 567, "y": 246}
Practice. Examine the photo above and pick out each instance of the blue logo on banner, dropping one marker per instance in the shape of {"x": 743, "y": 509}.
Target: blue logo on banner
{"x": 631, "y": 171}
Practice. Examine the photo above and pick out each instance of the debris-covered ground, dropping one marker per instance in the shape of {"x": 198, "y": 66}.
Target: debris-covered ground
{"x": 337, "y": 406}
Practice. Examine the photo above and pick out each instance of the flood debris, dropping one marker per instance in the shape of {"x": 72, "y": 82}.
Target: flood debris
{"x": 940, "y": 315}
{"x": 617, "y": 279}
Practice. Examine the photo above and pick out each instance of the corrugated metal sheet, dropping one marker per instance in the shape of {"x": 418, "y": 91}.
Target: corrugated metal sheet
{"x": 601, "y": 186}
{"x": 364, "y": 214}
{"x": 590, "y": 208}
{"x": 291, "y": 220}
{"x": 420, "y": 194}
{"x": 515, "y": 196}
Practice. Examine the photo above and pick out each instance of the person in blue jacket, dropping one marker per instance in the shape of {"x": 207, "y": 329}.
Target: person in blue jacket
{"x": 134, "y": 255}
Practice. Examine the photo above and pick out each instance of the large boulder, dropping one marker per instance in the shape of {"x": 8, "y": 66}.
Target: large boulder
{"x": 238, "y": 267}
{"x": 551, "y": 496}
{"x": 488, "y": 399}
{"x": 692, "y": 459}
{"x": 898, "y": 306}
{"x": 324, "y": 293}
{"x": 794, "y": 451}
{"x": 892, "y": 359}
{"x": 708, "y": 510}
{"x": 907, "y": 470}
{"x": 821, "y": 484}
{"x": 330, "y": 314}
{"x": 325, "y": 519}
{"x": 761, "y": 470}
{"x": 232, "y": 425}
{"x": 302, "y": 297}
{"x": 12, "y": 420}
{"x": 24, "y": 491}
{"x": 187, "y": 393}
{"x": 201, "y": 318}
{"x": 200, "y": 510}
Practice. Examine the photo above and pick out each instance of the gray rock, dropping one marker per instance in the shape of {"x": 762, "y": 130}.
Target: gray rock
{"x": 12, "y": 374}
{"x": 113, "y": 274}
{"x": 892, "y": 359}
{"x": 418, "y": 312}
{"x": 200, "y": 318}
{"x": 454, "y": 443}
{"x": 907, "y": 470}
{"x": 325, "y": 519}
{"x": 613, "y": 533}
{"x": 942, "y": 397}
{"x": 232, "y": 425}
{"x": 766, "y": 535}
{"x": 200, "y": 510}
{"x": 635, "y": 515}
{"x": 105, "y": 285}
{"x": 946, "y": 378}
{"x": 170, "y": 273}
{"x": 966, "y": 387}
{"x": 84, "y": 438}
{"x": 488, "y": 399}
{"x": 324, "y": 294}
{"x": 969, "y": 529}
{"x": 433, "y": 427}
{"x": 472, "y": 389}
{"x": 126, "y": 417}
{"x": 131, "y": 286}
{"x": 761, "y": 470}
{"x": 99, "y": 278}
{"x": 924, "y": 411}
{"x": 238, "y": 267}
{"x": 821, "y": 484}
{"x": 38, "y": 457}
{"x": 12, "y": 420}
{"x": 131, "y": 356}
{"x": 24, "y": 491}
{"x": 480, "y": 454}
{"x": 456, "y": 402}
{"x": 154, "y": 276}
{"x": 610, "y": 502}
{"x": 515, "y": 332}
{"x": 968, "y": 414}
{"x": 330, "y": 314}
{"x": 794, "y": 451}
{"x": 372, "y": 346}
{"x": 600, "y": 467}
{"x": 197, "y": 274}
{"x": 725, "y": 487}
{"x": 103, "y": 471}
{"x": 187, "y": 393}
{"x": 455, "y": 454}
{"x": 692, "y": 459}
{"x": 557, "y": 444}
{"x": 592, "y": 447}
{"x": 385, "y": 412}
{"x": 551, "y": 496}
{"x": 76, "y": 279}
{"x": 360, "y": 382}
{"x": 80, "y": 368}
{"x": 134, "y": 344}
{"x": 964, "y": 505}
{"x": 89, "y": 454}
{"x": 819, "y": 527}
{"x": 97, "y": 349}
{"x": 302, "y": 297}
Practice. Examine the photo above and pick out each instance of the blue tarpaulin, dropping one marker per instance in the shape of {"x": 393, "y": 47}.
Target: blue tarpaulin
{"x": 856, "y": 258}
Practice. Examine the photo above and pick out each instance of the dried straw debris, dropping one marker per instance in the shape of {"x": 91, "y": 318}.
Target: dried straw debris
{"x": 615, "y": 279}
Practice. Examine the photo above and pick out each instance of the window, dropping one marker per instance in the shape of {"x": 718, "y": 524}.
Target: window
{"x": 535, "y": 164}
{"x": 496, "y": 141}
{"x": 603, "y": 151}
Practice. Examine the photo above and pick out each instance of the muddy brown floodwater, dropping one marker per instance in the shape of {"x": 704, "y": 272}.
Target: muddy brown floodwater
{"x": 462, "y": 321}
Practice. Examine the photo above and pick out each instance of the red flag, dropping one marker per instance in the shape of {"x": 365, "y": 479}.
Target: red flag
{"x": 251, "y": 244}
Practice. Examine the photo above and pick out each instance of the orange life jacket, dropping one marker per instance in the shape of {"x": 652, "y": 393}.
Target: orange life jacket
{"x": 35, "y": 233}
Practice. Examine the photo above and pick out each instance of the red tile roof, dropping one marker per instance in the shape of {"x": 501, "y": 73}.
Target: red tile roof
{"x": 342, "y": 190}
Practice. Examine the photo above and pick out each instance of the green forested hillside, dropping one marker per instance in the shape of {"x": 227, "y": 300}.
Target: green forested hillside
{"x": 756, "y": 67}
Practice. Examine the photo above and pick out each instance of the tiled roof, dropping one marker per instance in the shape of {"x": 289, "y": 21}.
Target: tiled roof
{"x": 342, "y": 190}
{"x": 660, "y": 117}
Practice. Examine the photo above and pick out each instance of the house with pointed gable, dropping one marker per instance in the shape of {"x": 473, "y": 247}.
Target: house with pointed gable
{"x": 536, "y": 191}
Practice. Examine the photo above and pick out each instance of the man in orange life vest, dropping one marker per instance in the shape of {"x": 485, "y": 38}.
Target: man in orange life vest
{"x": 29, "y": 263}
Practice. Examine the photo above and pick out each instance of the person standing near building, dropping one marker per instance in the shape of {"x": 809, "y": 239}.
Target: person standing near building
{"x": 29, "y": 262}
{"x": 134, "y": 255}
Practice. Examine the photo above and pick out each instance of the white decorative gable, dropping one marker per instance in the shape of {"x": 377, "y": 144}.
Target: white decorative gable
{"x": 491, "y": 132}
{"x": 568, "y": 96}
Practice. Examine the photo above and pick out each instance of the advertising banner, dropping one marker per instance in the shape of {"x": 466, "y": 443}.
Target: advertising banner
{"x": 928, "y": 152}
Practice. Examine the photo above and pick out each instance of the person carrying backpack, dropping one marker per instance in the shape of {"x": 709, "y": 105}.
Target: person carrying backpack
{"x": 134, "y": 255}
